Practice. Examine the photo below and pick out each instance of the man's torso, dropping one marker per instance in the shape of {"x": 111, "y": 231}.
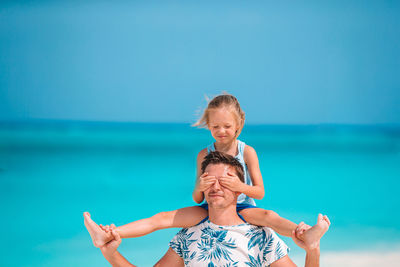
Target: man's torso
{"x": 208, "y": 244}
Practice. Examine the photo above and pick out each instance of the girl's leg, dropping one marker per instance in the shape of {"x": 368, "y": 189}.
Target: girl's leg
{"x": 181, "y": 218}
{"x": 269, "y": 218}
{"x": 184, "y": 217}
{"x": 285, "y": 227}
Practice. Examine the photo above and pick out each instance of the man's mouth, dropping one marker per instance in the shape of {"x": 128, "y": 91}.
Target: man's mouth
{"x": 215, "y": 195}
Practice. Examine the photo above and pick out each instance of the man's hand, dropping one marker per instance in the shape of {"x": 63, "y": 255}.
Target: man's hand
{"x": 110, "y": 252}
{"x": 204, "y": 182}
{"x": 110, "y": 248}
{"x": 308, "y": 237}
{"x": 301, "y": 229}
{"x": 232, "y": 182}
{"x": 298, "y": 233}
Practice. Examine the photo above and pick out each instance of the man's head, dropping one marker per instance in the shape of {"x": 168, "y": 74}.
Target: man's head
{"x": 219, "y": 164}
{"x": 216, "y": 157}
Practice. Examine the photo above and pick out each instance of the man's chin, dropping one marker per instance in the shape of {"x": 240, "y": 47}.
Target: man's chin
{"x": 217, "y": 202}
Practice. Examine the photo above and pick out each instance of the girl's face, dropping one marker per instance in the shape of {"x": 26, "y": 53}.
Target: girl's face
{"x": 222, "y": 124}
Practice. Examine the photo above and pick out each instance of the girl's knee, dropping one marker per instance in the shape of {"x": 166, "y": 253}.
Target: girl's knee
{"x": 270, "y": 214}
{"x": 258, "y": 213}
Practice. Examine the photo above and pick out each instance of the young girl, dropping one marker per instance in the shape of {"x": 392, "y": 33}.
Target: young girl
{"x": 225, "y": 119}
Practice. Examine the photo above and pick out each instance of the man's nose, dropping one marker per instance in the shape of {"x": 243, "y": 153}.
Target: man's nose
{"x": 216, "y": 185}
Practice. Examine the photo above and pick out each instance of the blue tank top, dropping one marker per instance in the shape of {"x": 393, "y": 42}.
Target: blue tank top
{"x": 242, "y": 199}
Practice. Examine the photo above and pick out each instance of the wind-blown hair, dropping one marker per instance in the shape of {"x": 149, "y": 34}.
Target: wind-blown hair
{"x": 216, "y": 157}
{"x": 223, "y": 101}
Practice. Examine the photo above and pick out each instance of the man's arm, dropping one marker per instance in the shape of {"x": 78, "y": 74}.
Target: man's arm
{"x": 117, "y": 260}
{"x": 170, "y": 259}
{"x": 312, "y": 259}
{"x": 310, "y": 243}
{"x": 110, "y": 253}
{"x": 310, "y": 246}
{"x": 283, "y": 262}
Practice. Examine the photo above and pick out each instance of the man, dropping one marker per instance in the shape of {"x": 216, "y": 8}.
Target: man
{"x": 224, "y": 239}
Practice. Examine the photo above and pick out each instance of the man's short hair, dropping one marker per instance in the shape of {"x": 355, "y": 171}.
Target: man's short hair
{"x": 216, "y": 157}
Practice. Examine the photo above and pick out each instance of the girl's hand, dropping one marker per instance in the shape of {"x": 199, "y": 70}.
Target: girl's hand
{"x": 232, "y": 182}
{"x": 205, "y": 181}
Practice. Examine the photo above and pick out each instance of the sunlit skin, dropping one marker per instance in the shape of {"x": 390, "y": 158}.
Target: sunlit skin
{"x": 218, "y": 196}
{"x": 222, "y": 211}
{"x": 224, "y": 124}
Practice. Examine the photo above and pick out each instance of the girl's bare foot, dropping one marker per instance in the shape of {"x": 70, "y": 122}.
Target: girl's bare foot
{"x": 314, "y": 234}
{"x": 99, "y": 236}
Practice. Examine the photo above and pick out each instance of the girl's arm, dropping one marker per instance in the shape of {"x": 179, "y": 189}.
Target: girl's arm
{"x": 257, "y": 190}
{"x": 198, "y": 195}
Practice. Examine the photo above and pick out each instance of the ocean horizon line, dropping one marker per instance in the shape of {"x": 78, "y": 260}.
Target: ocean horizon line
{"x": 56, "y": 133}
{"x": 94, "y": 123}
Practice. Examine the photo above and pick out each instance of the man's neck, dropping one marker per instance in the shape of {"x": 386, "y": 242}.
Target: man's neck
{"x": 224, "y": 216}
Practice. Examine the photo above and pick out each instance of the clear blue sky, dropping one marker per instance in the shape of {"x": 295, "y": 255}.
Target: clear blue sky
{"x": 153, "y": 61}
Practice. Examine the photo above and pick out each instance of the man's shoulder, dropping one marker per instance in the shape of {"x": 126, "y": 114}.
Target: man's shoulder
{"x": 244, "y": 228}
{"x": 189, "y": 231}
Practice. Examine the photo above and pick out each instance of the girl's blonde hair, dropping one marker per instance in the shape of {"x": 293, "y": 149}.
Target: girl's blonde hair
{"x": 227, "y": 101}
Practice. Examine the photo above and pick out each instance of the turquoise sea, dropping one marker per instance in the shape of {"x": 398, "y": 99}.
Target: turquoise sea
{"x": 50, "y": 172}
